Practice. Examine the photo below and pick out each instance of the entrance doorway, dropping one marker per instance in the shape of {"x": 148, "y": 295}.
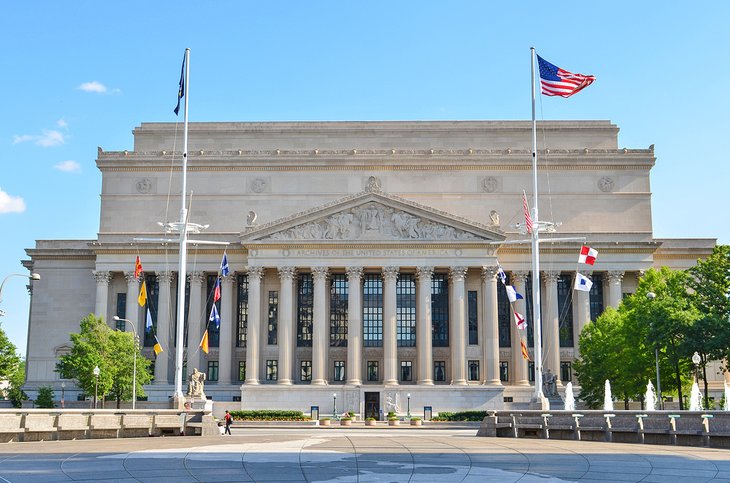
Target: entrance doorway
{"x": 372, "y": 405}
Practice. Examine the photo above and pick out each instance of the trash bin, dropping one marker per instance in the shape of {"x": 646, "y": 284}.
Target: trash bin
{"x": 427, "y": 413}
{"x": 314, "y": 413}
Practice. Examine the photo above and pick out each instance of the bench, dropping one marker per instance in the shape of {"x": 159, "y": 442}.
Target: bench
{"x": 656, "y": 429}
{"x": 689, "y": 430}
{"x": 560, "y": 423}
{"x": 39, "y": 427}
{"x": 494, "y": 425}
{"x": 718, "y": 429}
{"x": 105, "y": 425}
{"x": 591, "y": 427}
{"x": 527, "y": 426}
{"x": 10, "y": 428}
{"x": 72, "y": 425}
{"x": 136, "y": 425}
{"x": 624, "y": 428}
{"x": 168, "y": 424}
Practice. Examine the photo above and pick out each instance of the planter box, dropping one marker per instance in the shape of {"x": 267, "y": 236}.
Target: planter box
{"x": 393, "y": 422}
{"x": 370, "y": 423}
{"x": 416, "y": 422}
{"x": 345, "y": 422}
{"x": 324, "y": 422}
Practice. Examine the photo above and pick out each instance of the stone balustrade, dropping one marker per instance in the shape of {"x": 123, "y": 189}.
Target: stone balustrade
{"x": 64, "y": 424}
{"x": 686, "y": 428}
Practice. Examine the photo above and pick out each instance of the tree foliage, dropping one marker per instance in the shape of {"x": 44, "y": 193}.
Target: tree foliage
{"x": 45, "y": 397}
{"x": 113, "y": 352}
{"x": 12, "y": 369}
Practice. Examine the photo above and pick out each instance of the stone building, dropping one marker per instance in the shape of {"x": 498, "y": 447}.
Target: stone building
{"x": 363, "y": 257}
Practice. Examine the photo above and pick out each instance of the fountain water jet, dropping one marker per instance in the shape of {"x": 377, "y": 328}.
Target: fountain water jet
{"x": 650, "y": 397}
{"x": 569, "y": 397}
{"x": 726, "y": 406}
{"x": 695, "y": 398}
{"x": 607, "y": 399}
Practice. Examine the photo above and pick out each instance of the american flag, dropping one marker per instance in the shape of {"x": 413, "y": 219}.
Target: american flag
{"x": 555, "y": 81}
{"x": 528, "y": 218}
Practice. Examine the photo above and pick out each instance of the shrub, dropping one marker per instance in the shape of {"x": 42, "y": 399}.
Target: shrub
{"x": 392, "y": 418}
{"x": 45, "y": 397}
{"x": 391, "y": 414}
{"x": 351, "y": 413}
{"x": 269, "y": 415}
{"x": 461, "y": 416}
{"x": 370, "y": 419}
{"x": 346, "y": 419}
{"x": 415, "y": 419}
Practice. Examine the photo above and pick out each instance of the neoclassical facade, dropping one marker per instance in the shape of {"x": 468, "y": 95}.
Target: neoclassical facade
{"x": 363, "y": 258}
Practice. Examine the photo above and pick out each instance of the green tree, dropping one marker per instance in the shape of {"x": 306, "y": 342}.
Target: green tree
{"x": 113, "y": 352}
{"x": 12, "y": 369}
{"x": 15, "y": 392}
{"x": 710, "y": 334}
{"x": 45, "y": 397}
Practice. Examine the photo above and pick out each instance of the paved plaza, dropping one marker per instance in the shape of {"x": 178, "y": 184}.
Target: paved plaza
{"x": 355, "y": 455}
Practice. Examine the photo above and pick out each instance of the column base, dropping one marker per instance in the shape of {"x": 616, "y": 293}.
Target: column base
{"x": 425, "y": 382}
{"x": 251, "y": 382}
{"x": 493, "y": 382}
{"x": 459, "y": 382}
{"x": 523, "y": 382}
{"x": 354, "y": 382}
{"x": 284, "y": 382}
{"x": 391, "y": 382}
{"x": 319, "y": 382}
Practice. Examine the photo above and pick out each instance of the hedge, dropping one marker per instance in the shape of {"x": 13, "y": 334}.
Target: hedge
{"x": 461, "y": 416}
{"x": 269, "y": 415}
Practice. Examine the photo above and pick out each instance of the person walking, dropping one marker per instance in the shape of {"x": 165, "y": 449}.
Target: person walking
{"x": 229, "y": 420}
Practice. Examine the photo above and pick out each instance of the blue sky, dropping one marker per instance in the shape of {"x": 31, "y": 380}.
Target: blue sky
{"x": 82, "y": 74}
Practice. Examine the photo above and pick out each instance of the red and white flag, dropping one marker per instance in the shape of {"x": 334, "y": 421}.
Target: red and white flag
{"x": 526, "y": 208}
{"x": 587, "y": 255}
{"x": 520, "y": 321}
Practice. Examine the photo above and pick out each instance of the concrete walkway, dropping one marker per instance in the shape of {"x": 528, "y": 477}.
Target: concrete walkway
{"x": 355, "y": 455}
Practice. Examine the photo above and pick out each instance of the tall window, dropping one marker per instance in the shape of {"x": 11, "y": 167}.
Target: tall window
{"x": 242, "y": 312}
{"x": 241, "y": 370}
{"x": 121, "y": 311}
{"x": 339, "y": 374}
{"x": 596, "y": 297}
{"x": 440, "y": 309}
{"x": 406, "y": 370}
{"x": 272, "y": 370}
{"x": 503, "y": 371}
{"x": 373, "y": 371}
{"x": 473, "y": 370}
{"x": 214, "y": 333}
{"x": 273, "y": 316}
{"x": 439, "y": 371}
{"x": 566, "y": 372}
{"x": 153, "y": 296}
{"x": 405, "y": 302}
{"x": 473, "y": 317}
{"x": 305, "y": 372}
{"x": 531, "y": 371}
{"x": 504, "y": 315}
{"x": 305, "y": 309}
{"x": 212, "y": 370}
{"x": 372, "y": 310}
{"x": 565, "y": 310}
{"x": 338, "y": 310}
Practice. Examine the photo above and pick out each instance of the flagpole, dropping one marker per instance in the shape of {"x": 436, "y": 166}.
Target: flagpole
{"x": 537, "y": 322}
{"x": 182, "y": 271}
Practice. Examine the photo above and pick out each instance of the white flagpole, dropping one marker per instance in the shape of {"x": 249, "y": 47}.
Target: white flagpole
{"x": 182, "y": 271}
{"x": 537, "y": 322}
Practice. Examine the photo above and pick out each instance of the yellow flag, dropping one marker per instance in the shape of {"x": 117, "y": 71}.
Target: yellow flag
{"x": 157, "y": 347}
{"x": 525, "y": 354}
{"x": 142, "y": 299}
{"x": 204, "y": 342}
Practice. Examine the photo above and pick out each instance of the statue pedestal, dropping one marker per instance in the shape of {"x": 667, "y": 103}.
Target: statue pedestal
{"x": 197, "y": 404}
{"x": 541, "y": 404}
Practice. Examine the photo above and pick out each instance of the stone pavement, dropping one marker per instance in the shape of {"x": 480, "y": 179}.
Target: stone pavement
{"x": 355, "y": 455}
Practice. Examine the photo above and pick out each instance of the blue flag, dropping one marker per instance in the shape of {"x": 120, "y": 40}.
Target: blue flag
{"x": 181, "y": 89}
{"x": 148, "y": 325}
{"x": 214, "y": 317}
{"x": 224, "y": 265}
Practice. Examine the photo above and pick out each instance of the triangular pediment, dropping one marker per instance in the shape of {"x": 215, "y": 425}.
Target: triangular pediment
{"x": 372, "y": 216}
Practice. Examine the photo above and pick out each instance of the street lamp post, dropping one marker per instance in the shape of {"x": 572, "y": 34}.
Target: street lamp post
{"x": 134, "y": 363}
{"x": 696, "y": 361}
{"x": 96, "y": 384}
{"x": 334, "y": 406}
{"x": 652, "y": 296}
{"x": 408, "y": 411}
{"x": 63, "y": 390}
{"x": 32, "y": 276}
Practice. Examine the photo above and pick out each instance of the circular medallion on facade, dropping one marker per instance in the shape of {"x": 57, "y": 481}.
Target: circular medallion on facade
{"x": 253, "y": 253}
{"x": 258, "y": 185}
{"x": 458, "y": 252}
{"x": 285, "y": 252}
{"x": 144, "y": 185}
{"x": 606, "y": 184}
{"x": 490, "y": 184}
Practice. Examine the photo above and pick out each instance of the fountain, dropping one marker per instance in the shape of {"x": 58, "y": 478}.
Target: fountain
{"x": 695, "y": 398}
{"x": 607, "y": 399}
{"x": 650, "y": 397}
{"x": 726, "y": 406}
{"x": 570, "y": 398}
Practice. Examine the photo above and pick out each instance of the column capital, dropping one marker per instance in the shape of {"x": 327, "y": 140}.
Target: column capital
{"x": 320, "y": 273}
{"x": 130, "y": 277}
{"x": 489, "y": 272}
{"x": 424, "y": 273}
{"x": 390, "y": 274}
{"x": 196, "y": 277}
{"x": 102, "y": 277}
{"x": 458, "y": 274}
{"x": 550, "y": 276}
{"x": 165, "y": 277}
{"x": 287, "y": 273}
{"x": 228, "y": 279}
{"x": 614, "y": 276}
{"x": 255, "y": 273}
{"x": 354, "y": 272}
{"x": 520, "y": 276}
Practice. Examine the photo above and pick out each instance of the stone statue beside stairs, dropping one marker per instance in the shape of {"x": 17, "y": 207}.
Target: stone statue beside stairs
{"x": 196, "y": 384}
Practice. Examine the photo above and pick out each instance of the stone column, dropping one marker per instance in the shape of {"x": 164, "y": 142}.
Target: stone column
{"x": 225, "y": 347}
{"x": 423, "y": 326}
{"x": 101, "y": 308}
{"x": 195, "y": 323}
{"x": 253, "y": 329}
{"x": 490, "y": 325}
{"x": 132, "y": 304}
{"x": 319, "y": 327}
{"x": 390, "y": 334}
{"x": 457, "y": 323}
{"x": 354, "y": 325}
{"x": 519, "y": 364}
{"x": 614, "y": 278}
{"x": 551, "y": 325}
{"x": 582, "y": 303}
{"x": 164, "y": 279}
{"x": 286, "y": 324}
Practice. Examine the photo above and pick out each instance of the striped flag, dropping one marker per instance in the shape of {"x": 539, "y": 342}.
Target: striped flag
{"x": 526, "y": 208}
{"x": 555, "y": 81}
{"x": 217, "y": 290}
{"x": 525, "y": 354}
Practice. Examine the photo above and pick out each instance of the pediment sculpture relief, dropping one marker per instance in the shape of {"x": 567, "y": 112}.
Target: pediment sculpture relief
{"x": 373, "y": 221}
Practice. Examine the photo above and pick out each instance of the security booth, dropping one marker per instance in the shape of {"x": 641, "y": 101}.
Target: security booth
{"x": 427, "y": 413}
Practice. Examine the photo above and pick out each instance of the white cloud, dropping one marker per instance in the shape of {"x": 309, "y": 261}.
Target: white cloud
{"x": 93, "y": 86}
{"x": 69, "y": 166}
{"x": 50, "y": 137}
{"x": 62, "y": 123}
{"x": 11, "y": 204}
{"x": 22, "y": 138}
